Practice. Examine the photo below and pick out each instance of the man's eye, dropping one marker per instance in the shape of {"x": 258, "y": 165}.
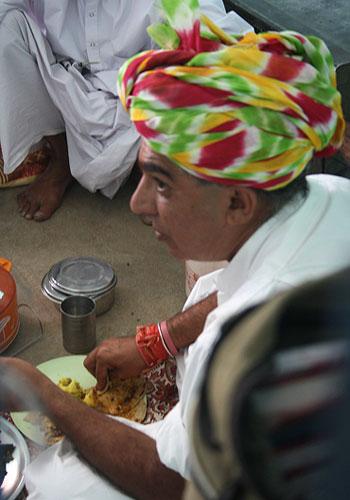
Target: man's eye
{"x": 161, "y": 185}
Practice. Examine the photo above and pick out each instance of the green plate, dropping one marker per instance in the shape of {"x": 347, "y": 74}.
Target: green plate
{"x": 55, "y": 369}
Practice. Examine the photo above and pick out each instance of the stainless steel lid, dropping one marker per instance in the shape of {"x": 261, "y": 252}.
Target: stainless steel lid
{"x": 50, "y": 292}
{"x": 79, "y": 275}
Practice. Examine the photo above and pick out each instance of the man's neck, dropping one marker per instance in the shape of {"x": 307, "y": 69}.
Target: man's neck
{"x": 249, "y": 229}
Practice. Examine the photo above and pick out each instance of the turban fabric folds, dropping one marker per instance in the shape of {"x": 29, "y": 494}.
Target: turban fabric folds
{"x": 249, "y": 110}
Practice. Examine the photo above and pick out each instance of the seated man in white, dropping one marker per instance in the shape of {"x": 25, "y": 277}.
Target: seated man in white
{"x": 59, "y": 65}
{"x": 228, "y": 128}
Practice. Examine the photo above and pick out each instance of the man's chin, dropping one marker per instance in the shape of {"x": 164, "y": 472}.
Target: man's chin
{"x": 175, "y": 253}
{"x": 173, "y": 250}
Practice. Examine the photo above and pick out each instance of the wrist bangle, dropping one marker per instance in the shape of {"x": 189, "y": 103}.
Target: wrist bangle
{"x": 163, "y": 341}
{"x": 163, "y": 327}
{"x": 150, "y": 344}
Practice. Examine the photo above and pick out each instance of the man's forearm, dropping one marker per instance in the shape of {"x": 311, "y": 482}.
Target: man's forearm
{"x": 126, "y": 456}
{"x": 186, "y": 326}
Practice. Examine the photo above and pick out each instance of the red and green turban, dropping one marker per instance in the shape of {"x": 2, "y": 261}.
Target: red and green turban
{"x": 249, "y": 110}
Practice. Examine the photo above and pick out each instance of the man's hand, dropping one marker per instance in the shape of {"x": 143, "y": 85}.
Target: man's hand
{"x": 21, "y": 385}
{"x": 115, "y": 357}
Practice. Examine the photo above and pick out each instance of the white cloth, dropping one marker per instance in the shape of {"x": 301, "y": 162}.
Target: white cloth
{"x": 79, "y": 482}
{"x": 306, "y": 240}
{"x": 59, "y": 64}
{"x": 58, "y": 473}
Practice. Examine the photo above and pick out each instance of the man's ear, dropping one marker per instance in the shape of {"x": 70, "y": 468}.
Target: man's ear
{"x": 241, "y": 206}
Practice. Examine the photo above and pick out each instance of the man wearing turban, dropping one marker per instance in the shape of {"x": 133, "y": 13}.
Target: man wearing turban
{"x": 229, "y": 125}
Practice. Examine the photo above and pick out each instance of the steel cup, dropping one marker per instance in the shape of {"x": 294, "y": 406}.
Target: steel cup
{"x": 78, "y": 316}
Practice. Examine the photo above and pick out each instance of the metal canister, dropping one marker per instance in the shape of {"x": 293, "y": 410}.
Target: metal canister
{"x": 87, "y": 276}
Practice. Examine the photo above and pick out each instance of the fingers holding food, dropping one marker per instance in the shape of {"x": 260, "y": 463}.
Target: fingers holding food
{"x": 114, "y": 358}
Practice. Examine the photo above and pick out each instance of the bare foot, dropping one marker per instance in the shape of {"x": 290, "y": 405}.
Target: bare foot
{"x": 40, "y": 200}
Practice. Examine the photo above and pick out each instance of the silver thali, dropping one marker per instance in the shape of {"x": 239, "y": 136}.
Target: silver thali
{"x": 14, "y": 480}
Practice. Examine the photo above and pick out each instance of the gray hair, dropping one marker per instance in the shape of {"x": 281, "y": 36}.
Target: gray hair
{"x": 273, "y": 201}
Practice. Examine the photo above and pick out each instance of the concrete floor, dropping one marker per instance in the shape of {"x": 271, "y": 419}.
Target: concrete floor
{"x": 151, "y": 283}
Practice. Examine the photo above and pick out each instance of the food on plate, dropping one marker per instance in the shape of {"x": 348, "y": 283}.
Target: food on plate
{"x": 72, "y": 387}
{"x": 51, "y": 433}
{"x": 120, "y": 399}
{"x": 123, "y": 398}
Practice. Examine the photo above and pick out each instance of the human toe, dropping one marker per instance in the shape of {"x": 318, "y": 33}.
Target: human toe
{"x": 22, "y": 201}
{"x": 44, "y": 212}
{"x": 24, "y": 208}
{"x": 32, "y": 207}
{"x": 40, "y": 215}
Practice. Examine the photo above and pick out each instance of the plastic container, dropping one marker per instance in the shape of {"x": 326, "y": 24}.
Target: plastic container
{"x": 9, "y": 317}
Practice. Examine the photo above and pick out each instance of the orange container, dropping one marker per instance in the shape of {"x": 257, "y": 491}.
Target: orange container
{"x": 9, "y": 317}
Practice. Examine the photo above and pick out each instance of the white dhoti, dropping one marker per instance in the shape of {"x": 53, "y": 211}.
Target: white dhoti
{"x": 60, "y": 473}
{"x": 43, "y": 95}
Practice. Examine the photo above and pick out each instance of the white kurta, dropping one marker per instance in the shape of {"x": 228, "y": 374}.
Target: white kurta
{"x": 304, "y": 241}
{"x": 59, "y": 63}
{"x": 299, "y": 244}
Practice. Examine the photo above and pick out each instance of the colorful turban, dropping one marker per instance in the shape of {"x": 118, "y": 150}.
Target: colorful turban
{"x": 249, "y": 110}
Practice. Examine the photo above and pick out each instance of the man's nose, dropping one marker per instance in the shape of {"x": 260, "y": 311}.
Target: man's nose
{"x": 142, "y": 201}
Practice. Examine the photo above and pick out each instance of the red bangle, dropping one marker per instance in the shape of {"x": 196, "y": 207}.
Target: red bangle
{"x": 163, "y": 327}
{"x": 149, "y": 344}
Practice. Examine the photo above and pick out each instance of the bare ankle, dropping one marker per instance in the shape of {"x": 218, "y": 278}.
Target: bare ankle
{"x": 59, "y": 154}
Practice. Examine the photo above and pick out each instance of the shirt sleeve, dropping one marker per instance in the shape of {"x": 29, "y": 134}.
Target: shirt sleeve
{"x": 229, "y": 22}
{"x": 172, "y": 443}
